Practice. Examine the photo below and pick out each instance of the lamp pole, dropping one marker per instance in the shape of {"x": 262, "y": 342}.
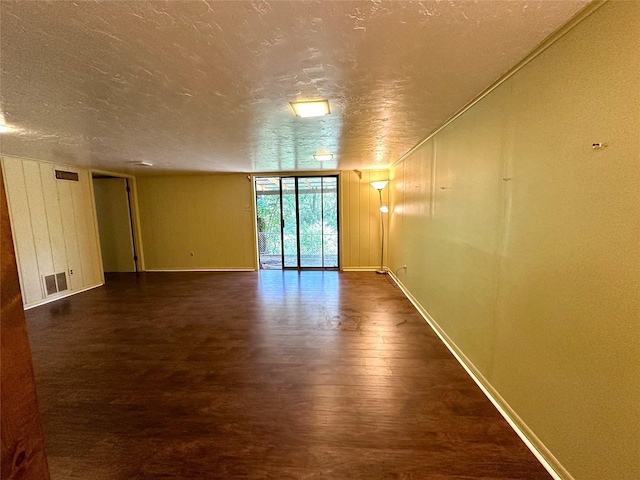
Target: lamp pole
{"x": 383, "y": 209}
{"x": 381, "y": 271}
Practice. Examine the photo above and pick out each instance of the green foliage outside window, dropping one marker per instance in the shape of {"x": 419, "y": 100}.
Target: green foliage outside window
{"x": 318, "y": 221}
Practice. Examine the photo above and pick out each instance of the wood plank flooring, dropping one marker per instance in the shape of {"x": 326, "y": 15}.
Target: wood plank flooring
{"x": 259, "y": 375}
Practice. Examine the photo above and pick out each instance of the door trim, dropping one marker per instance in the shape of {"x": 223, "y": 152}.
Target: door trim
{"x": 296, "y": 178}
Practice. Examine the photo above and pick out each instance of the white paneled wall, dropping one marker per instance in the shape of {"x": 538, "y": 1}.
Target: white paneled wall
{"x": 54, "y": 227}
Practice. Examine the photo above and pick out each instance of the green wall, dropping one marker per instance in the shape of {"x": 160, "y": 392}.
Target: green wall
{"x": 522, "y": 243}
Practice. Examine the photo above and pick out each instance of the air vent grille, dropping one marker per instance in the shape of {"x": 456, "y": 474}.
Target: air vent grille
{"x": 55, "y": 283}
{"x": 63, "y": 175}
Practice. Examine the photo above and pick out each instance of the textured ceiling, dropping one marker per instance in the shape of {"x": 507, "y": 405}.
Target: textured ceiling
{"x": 206, "y": 85}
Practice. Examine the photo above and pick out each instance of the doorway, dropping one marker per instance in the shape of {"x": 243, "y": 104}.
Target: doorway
{"x": 297, "y": 222}
{"x": 115, "y": 225}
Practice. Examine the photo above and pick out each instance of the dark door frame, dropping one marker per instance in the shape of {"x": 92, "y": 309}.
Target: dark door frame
{"x": 297, "y": 209}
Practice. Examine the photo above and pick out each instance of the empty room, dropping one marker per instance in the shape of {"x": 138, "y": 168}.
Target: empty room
{"x": 320, "y": 240}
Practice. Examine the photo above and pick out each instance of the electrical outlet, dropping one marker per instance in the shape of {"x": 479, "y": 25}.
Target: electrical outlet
{"x": 70, "y": 271}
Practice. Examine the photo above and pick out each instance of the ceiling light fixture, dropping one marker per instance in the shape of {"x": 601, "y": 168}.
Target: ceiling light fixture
{"x": 145, "y": 164}
{"x": 4, "y": 128}
{"x": 323, "y": 157}
{"x": 316, "y": 108}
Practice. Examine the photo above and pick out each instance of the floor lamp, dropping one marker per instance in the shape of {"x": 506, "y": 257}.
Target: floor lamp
{"x": 383, "y": 209}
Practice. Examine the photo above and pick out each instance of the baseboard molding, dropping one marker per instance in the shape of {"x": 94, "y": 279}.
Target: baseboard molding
{"x": 541, "y": 452}
{"x": 360, "y": 269}
{"x": 55, "y": 299}
{"x": 202, "y": 270}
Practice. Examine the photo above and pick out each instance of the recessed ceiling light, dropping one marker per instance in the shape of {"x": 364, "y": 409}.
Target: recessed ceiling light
{"x": 323, "y": 157}
{"x": 316, "y": 108}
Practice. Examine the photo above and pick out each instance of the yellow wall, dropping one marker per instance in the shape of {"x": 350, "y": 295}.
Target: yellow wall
{"x": 209, "y": 215}
{"x": 360, "y": 219}
{"x": 54, "y": 227}
{"x": 114, "y": 224}
{"x": 213, "y": 216}
{"x": 522, "y": 243}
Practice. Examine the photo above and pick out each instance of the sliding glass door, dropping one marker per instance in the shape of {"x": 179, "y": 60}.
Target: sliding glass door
{"x": 289, "y": 223}
{"x": 297, "y": 222}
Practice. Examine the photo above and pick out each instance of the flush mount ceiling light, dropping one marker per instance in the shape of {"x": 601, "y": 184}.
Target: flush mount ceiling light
{"x": 323, "y": 157}
{"x": 144, "y": 164}
{"x": 317, "y": 108}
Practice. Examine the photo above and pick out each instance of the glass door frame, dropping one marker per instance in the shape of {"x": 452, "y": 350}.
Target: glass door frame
{"x": 283, "y": 223}
{"x": 296, "y": 178}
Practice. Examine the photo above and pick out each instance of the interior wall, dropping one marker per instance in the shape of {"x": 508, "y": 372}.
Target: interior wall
{"x": 521, "y": 243}
{"x": 114, "y": 224}
{"x": 54, "y": 227}
{"x": 213, "y": 217}
{"x": 209, "y": 215}
{"x": 360, "y": 219}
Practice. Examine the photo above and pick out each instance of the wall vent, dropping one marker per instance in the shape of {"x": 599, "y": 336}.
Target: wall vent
{"x": 63, "y": 175}
{"x": 55, "y": 283}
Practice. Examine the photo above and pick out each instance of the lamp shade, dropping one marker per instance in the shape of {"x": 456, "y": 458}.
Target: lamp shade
{"x": 379, "y": 185}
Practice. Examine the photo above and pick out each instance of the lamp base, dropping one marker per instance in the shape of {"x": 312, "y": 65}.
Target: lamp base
{"x": 381, "y": 272}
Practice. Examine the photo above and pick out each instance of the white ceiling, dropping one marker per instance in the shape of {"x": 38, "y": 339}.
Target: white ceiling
{"x": 206, "y": 85}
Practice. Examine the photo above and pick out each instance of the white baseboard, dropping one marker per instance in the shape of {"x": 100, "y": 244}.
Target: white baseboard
{"x": 202, "y": 270}
{"x": 67, "y": 294}
{"x": 541, "y": 452}
{"x": 360, "y": 269}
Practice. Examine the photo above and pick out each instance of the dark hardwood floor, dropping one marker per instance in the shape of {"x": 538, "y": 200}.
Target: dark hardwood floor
{"x": 269, "y": 375}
